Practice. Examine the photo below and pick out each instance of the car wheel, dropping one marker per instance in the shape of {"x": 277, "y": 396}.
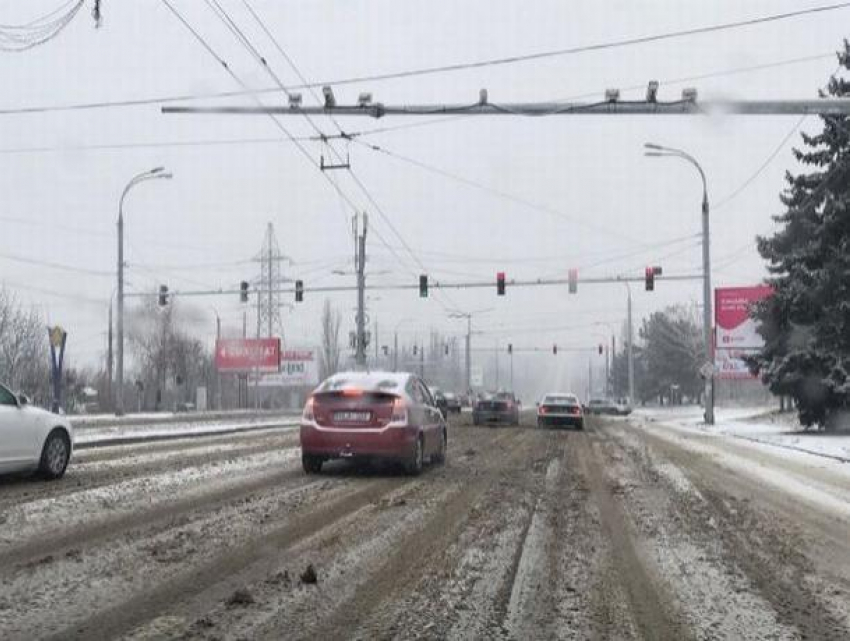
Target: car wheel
{"x": 55, "y": 455}
{"x": 415, "y": 462}
{"x": 440, "y": 457}
{"x": 312, "y": 464}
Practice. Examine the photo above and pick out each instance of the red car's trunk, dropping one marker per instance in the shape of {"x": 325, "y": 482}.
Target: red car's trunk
{"x": 353, "y": 410}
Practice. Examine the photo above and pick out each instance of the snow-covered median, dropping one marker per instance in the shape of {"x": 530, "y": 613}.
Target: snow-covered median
{"x": 117, "y": 434}
{"x": 757, "y": 424}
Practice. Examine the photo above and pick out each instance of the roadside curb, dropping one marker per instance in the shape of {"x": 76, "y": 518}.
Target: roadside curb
{"x": 130, "y": 439}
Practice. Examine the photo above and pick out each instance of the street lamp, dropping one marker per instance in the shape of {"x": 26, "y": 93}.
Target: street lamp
{"x": 658, "y": 151}
{"x": 156, "y": 172}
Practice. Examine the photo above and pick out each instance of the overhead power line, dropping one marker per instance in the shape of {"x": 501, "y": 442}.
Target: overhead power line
{"x": 16, "y": 38}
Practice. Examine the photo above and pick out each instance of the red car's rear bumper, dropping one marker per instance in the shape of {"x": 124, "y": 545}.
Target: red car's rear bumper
{"x": 389, "y": 442}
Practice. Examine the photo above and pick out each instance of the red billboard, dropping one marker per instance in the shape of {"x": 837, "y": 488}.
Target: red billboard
{"x": 247, "y": 355}
{"x": 736, "y": 333}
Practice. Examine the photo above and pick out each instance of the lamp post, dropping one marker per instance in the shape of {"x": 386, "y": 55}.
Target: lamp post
{"x": 157, "y": 172}
{"x": 657, "y": 151}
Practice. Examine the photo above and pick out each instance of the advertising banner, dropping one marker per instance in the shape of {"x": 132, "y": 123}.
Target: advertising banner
{"x": 735, "y": 328}
{"x": 730, "y": 364}
{"x": 735, "y": 331}
{"x": 298, "y": 368}
{"x": 247, "y": 355}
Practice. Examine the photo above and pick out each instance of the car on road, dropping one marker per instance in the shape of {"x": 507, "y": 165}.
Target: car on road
{"x": 605, "y": 406}
{"x": 366, "y": 416}
{"x": 453, "y": 403}
{"x": 440, "y": 401}
{"x": 32, "y": 439}
{"x": 559, "y": 409}
{"x": 498, "y": 408}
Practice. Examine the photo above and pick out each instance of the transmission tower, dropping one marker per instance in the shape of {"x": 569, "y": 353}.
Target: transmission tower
{"x": 268, "y": 283}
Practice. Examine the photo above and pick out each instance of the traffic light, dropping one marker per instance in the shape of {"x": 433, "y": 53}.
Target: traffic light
{"x": 243, "y": 291}
{"x": 415, "y": 350}
{"x": 500, "y": 283}
{"x": 510, "y": 348}
{"x": 650, "y": 279}
{"x": 299, "y": 291}
{"x": 385, "y": 349}
{"x": 446, "y": 348}
{"x": 555, "y": 350}
{"x": 600, "y": 350}
{"x": 572, "y": 278}
{"x": 423, "y": 286}
{"x": 163, "y": 295}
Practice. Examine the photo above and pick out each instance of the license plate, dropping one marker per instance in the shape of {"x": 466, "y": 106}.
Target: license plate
{"x": 352, "y": 417}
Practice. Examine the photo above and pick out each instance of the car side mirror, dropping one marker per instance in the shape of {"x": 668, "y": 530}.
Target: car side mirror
{"x": 23, "y": 400}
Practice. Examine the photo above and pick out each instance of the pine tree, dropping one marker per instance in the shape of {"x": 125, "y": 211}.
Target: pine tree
{"x": 806, "y": 322}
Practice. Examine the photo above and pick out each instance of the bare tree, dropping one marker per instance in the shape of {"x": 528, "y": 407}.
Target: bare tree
{"x": 170, "y": 362}
{"x": 23, "y": 349}
{"x": 329, "y": 356}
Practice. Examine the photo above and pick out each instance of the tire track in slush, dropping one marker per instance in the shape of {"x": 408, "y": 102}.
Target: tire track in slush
{"x": 58, "y": 543}
{"x": 416, "y": 553}
{"x": 211, "y": 577}
{"x": 651, "y": 608}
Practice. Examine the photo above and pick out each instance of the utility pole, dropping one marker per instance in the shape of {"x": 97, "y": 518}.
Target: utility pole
{"x": 422, "y": 362}
{"x": 512, "y": 371}
{"x": 469, "y": 353}
{"x": 607, "y": 374}
{"x": 377, "y": 343}
{"x": 613, "y": 356}
{"x": 110, "y": 398}
{"x": 395, "y": 352}
{"x": 631, "y": 350}
{"x": 360, "y": 265}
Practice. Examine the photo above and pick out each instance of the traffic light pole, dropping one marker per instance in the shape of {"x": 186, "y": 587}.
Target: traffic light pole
{"x": 360, "y": 263}
{"x": 631, "y": 348}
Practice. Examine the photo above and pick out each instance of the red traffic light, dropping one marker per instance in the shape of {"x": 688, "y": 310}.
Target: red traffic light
{"x": 650, "y": 279}
{"x": 500, "y": 283}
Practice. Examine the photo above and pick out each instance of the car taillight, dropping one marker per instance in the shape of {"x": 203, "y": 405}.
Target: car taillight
{"x": 542, "y": 410}
{"x": 399, "y": 417}
{"x": 308, "y": 415}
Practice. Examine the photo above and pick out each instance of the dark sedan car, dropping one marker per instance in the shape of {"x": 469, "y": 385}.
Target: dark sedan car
{"x": 453, "y": 402}
{"x": 500, "y": 408}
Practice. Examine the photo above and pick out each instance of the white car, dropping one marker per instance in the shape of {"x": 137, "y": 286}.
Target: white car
{"x": 32, "y": 439}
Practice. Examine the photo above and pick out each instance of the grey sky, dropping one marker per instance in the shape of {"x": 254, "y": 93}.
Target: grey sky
{"x": 62, "y": 206}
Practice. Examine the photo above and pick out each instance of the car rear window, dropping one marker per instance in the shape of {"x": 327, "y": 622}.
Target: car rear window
{"x": 363, "y": 382}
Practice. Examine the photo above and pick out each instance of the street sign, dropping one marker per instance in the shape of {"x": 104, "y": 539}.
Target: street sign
{"x": 707, "y": 370}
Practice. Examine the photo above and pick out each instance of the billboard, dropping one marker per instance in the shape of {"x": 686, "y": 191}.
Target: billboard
{"x": 247, "y": 355}
{"x": 736, "y": 333}
{"x": 298, "y": 368}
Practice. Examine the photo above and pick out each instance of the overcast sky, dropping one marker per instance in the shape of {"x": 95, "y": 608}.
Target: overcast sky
{"x": 615, "y": 211}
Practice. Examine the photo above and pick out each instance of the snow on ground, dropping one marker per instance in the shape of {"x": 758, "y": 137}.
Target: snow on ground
{"x": 90, "y": 436}
{"x": 757, "y": 424}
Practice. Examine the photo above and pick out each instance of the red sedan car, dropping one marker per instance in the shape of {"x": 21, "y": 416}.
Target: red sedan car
{"x": 372, "y": 415}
